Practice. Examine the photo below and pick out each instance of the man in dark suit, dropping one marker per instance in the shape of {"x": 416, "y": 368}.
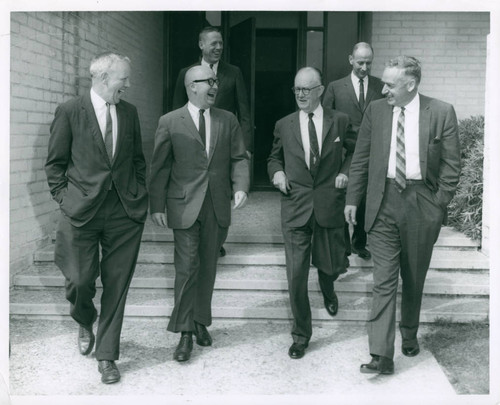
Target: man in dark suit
{"x": 351, "y": 95}
{"x": 407, "y": 162}
{"x": 199, "y": 159}
{"x": 307, "y": 165}
{"x": 96, "y": 172}
{"x": 231, "y": 94}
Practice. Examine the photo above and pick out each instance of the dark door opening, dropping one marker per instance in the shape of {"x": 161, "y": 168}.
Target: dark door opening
{"x": 275, "y": 67}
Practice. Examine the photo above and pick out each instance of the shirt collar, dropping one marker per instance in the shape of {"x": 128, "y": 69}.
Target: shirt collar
{"x": 412, "y": 107}
{"x": 97, "y": 100}
{"x": 318, "y": 112}
{"x": 355, "y": 79}
{"x": 195, "y": 110}
{"x": 205, "y": 63}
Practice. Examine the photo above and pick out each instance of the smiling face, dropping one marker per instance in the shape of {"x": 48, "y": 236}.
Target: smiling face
{"x": 211, "y": 46}
{"x": 115, "y": 82}
{"x": 199, "y": 91}
{"x": 308, "y": 79}
{"x": 399, "y": 89}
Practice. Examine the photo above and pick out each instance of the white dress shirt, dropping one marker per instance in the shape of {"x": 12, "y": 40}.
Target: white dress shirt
{"x": 99, "y": 105}
{"x": 195, "y": 115}
{"x": 214, "y": 67}
{"x": 304, "y": 130}
{"x": 355, "y": 83}
{"x": 412, "y": 154}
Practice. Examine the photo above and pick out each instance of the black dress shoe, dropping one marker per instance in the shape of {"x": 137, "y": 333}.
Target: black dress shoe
{"x": 203, "y": 338}
{"x": 378, "y": 365}
{"x": 109, "y": 371}
{"x": 297, "y": 350}
{"x": 184, "y": 348}
{"x": 411, "y": 351}
{"x": 332, "y": 306}
{"x": 222, "y": 251}
{"x": 86, "y": 339}
{"x": 363, "y": 253}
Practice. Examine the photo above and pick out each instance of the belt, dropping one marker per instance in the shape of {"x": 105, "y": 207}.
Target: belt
{"x": 408, "y": 182}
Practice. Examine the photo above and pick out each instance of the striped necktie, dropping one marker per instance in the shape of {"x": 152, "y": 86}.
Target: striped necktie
{"x": 400, "y": 152}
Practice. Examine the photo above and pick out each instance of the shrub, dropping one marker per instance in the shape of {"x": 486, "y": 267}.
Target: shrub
{"x": 466, "y": 208}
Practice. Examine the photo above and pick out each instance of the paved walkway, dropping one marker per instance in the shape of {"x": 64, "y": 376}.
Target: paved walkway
{"x": 246, "y": 359}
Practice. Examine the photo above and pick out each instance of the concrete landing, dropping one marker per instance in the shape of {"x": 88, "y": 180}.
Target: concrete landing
{"x": 248, "y": 358}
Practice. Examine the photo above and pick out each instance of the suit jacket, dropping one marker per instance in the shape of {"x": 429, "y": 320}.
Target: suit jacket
{"x": 439, "y": 151}
{"x": 181, "y": 171}
{"x": 340, "y": 95}
{"x": 308, "y": 195}
{"x": 78, "y": 169}
{"x": 231, "y": 96}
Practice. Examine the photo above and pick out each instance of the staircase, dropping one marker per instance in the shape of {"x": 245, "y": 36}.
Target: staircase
{"x": 251, "y": 279}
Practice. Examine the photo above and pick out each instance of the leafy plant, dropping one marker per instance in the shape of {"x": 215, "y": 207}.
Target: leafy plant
{"x": 466, "y": 208}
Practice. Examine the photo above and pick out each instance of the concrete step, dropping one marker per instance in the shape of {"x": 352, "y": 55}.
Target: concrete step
{"x": 272, "y": 305}
{"x": 448, "y": 238}
{"x": 231, "y": 277}
{"x": 273, "y": 254}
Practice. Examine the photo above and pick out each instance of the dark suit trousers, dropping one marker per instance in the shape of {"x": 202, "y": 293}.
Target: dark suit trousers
{"x": 77, "y": 255}
{"x": 328, "y": 251}
{"x": 402, "y": 238}
{"x": 196, "y": 253}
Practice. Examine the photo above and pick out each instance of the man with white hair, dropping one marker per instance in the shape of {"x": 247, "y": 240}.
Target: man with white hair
{"x": 96, "y": 172}
{"x": 199, "y": 160}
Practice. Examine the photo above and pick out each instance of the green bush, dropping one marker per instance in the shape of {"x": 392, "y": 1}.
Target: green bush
{"x": 466, "y": 208}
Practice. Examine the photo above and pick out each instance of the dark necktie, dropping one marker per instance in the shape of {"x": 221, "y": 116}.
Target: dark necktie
{"x": 361, "y": 94}
{"x": 314, "y": 147}
{"x": 400, "y": 152}
{"x": 108, "y": 133}
{"x": 212, "y": 66}
{"x": 201, "y": 127}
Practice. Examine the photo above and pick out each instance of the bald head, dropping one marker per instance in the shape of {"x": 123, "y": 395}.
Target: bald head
{"x": 199, "y": 91}
{"x": 361, "y": 59}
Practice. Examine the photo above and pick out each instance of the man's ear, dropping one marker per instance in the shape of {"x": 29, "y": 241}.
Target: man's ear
{"x": 411, "y": 85}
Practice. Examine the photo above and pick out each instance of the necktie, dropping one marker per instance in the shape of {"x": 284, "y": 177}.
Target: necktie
{"x": 400, "y": 152}
{"x": 314, "y": 147}
{"x": 212, "y": 66}
{"x": 361, "y": 94}
{"x": 201, "y": 127}
{"x": 108, "y": 133}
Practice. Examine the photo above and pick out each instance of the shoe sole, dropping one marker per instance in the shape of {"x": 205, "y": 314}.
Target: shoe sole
{"x": 372, "y": 371}
{"x": 91, "y": 346}
{"x": 411, "y": 354}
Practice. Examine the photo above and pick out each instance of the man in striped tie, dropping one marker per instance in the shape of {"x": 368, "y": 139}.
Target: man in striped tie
{"x": 407, "y": 162}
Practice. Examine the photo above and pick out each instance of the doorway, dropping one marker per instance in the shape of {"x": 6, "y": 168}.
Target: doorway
{"x": 275, "y": 67}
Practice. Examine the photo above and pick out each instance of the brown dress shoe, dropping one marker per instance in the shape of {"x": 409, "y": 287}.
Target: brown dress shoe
{"x": 109, "y": 371}
{"x": 86, "y": 339}
{"x": 203, "y": 338}
{"x": 378, "y": 365}
{"x": 184, "y": 348}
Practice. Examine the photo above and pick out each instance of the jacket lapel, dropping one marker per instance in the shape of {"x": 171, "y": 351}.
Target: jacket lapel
{"x": 190, "y": 125}
{"x": 122, "y": 122}
{"x": 352, "y": 93}
{"x": 423, "y": 134}
{"x": 370, "y": 93}
{"x": 327, "y": 128}
{"x": 387, "y": 134}
{"x": 295, "y": 130}
{"x": 221, "y": 72}
{"x": 94, "y": 125}
{"x": 214, "y": 133}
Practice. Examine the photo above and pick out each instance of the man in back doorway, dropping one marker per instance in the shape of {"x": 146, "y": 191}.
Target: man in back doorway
{"x": 351, "y": 95}
{"x": 232, "y": 94}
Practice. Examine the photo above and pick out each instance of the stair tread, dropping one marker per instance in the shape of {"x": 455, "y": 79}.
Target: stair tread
{"x": 272, "y": 254}
{"x": 268, "y": 278}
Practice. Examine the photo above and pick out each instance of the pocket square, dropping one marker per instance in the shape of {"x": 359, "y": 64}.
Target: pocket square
{"x": 337, "y": 140}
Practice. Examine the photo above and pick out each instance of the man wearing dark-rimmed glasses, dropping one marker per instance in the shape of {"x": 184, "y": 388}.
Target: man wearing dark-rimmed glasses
{"x": 309, "y": 164}
{"x": 199, "y": 160}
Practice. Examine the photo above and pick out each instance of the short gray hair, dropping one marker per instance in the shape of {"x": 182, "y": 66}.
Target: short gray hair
{"x": 409, "y": 64}
{"x": 101, "y": 63}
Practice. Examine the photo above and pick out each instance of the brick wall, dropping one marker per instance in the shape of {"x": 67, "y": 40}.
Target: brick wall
{"x": 50, "y": 56}
{"x": 451, "y": 47}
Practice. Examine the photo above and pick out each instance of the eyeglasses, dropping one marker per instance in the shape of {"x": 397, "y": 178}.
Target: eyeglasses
{"x": 305, "y": 90}
{"x": 210, "y": 81}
